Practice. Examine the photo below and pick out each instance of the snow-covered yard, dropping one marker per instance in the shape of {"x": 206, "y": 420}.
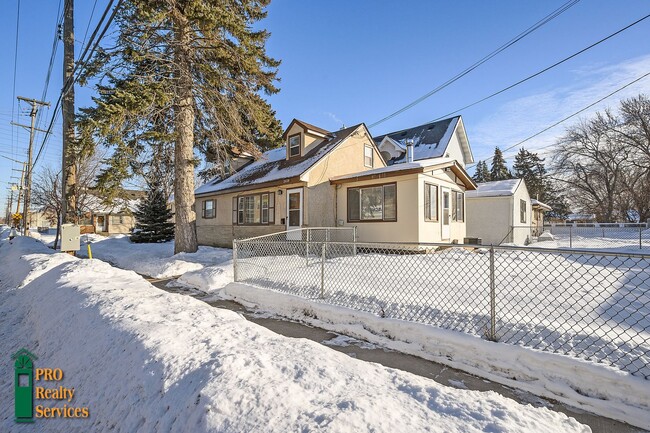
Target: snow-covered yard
{"x": 144, "y": 360}
{"x": 592, "y": 307}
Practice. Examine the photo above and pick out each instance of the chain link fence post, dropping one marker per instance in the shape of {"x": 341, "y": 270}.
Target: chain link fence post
{"x": 307, "y": 249}
{"x": 354, "y": 240}
{"x": 570, "y": 236}
{"x": 234, "y": 260}
{"x": 322, "y": 272}
{"x": 493, "y": 307}
{"x": 640, "y": 237}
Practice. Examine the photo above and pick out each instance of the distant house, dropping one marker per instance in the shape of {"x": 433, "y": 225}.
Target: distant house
{"x": 328, "y": 179}
{"x": 115, "y": 218}
{"x": 500, "y": 212}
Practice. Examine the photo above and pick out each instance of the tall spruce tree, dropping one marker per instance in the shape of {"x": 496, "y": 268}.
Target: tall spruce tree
{"x": 188, "y": 73}
{"x": 530, "y": 167}
{"x": 482, "y": 174}
{"x": 499, "y": 169}
{"x": 153, "y": 218}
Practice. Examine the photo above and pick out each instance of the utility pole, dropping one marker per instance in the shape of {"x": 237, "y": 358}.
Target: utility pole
{"x": 28, "y": 177}
{"x": 68, "y": 166}
{"x": 21, "y": 186}
{"x": 10, "y": 199}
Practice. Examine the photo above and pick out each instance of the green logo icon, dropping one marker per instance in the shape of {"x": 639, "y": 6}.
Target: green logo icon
{"x": 24, "y": 385}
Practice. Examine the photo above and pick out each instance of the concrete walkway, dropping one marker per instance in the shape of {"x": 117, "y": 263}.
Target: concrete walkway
{"x": 413, "y": 364}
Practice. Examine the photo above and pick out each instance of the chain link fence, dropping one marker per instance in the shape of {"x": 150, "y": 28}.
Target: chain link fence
{"x": 623, "y": 236}
{"x": 586, "y": 304}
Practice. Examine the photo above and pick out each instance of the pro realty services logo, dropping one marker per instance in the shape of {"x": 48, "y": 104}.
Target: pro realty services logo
{"x": 27, "y": 397}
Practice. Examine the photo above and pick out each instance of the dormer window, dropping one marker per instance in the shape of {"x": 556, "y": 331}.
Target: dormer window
{"x": 294, "y": 145}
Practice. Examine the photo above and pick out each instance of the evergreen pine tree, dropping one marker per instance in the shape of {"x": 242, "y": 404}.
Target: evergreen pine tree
{"x": 499, "y": 169}
{"x": 191, "y": 74}
{"x": 530, "y": 167}
{"x": 153, "y": 218}
{"x": 482, "y": 174}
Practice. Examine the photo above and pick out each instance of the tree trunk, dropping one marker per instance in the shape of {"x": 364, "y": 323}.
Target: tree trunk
{"x": 185, "y": 218}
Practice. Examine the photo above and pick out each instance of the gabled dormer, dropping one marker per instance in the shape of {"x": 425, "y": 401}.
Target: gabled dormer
{"x": 300, "y": 137}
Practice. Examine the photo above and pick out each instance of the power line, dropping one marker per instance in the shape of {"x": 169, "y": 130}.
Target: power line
{"x": 502, "y": 48}
{"x": 13, "y": 97}
{"x": 569, "y": 117}
{"x": 80, "y": 64}
{"x": 543, "y": 70}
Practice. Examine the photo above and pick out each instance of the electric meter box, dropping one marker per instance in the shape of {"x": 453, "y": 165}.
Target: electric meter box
{"x": 70, "y": 237}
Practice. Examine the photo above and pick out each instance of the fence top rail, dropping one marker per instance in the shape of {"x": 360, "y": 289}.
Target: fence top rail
{"x": 292, "y": 231}
{"x": 414, "y": 245}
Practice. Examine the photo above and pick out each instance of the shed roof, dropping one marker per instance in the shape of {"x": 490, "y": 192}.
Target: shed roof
{"x": 273, "y": 165}
{"x": 497, "y": 188}
{"x": 537, "y": 203}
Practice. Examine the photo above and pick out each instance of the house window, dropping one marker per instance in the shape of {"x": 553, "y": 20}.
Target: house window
{"x": 368, "y": 156}
{"x": 458, "y": 206}
{"x": 522, "y": 211}
{"x": 373, "y": 203}
{"x": 430, "y": 202}
{"x": 294, "y": 145}
{"x": 254, "y": 209}
{"x": 117, "y": 219}
{"x": 209, "y": 209}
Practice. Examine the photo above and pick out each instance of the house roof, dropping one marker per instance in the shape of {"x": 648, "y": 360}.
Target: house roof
{"x": 419, "y": 166}
{"x": 429, "y": 140}
{"x": 273, "y": 165}
{"x": 537, "y": 203}
{"x": 498, "y": 188}
{"x": 305, "y": 126}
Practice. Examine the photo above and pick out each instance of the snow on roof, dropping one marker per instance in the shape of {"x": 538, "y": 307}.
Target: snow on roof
{"x": 429, "y": 140}
{"x": 544, "y": 206}
{"x": 399, "y": 167}
{"x": 273, "y": 165}
{"x": 498, "y": 188}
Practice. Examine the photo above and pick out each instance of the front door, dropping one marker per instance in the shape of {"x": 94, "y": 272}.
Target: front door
{"x": 294, "y": 213}
{"x": 446, "y": 202}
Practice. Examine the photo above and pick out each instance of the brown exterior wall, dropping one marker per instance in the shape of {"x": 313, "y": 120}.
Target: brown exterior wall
{"x": 223, "y": 235}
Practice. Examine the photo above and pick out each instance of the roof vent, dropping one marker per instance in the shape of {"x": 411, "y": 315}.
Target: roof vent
{"x": 409, "y": 150}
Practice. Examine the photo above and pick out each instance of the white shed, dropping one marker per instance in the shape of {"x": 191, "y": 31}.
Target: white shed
{"x": 500, "y": 212}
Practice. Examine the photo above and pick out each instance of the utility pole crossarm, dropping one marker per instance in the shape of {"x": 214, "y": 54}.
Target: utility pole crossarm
{"x": 29, "y": 127}
{"x": 33, "y": 101}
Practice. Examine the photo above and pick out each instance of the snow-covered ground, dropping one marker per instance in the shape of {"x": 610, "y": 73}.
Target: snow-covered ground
{"x": 623, "y": 240}
{"x": 594, "y": 387}
{"x": 594, "y": 308}
{"x": 144, "y": 360}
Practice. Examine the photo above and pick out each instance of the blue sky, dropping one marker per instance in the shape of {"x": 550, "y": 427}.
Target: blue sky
{"x": 345, "y": 62}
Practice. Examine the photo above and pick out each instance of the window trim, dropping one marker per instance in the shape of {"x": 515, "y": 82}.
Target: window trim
{"x": 426, "y": 208}
{"x": 372, "y": 156}
{"x": 289, "y": 147}
{"x": 204, "y": 209}
{"x": 271, "y": 209}
{"x": 383, "y": 213}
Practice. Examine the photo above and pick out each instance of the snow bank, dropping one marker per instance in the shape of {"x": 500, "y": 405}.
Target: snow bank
{"x": 155, "y": 260}
{"x": 594, "y": 387}
{"x": 145, "y": 360}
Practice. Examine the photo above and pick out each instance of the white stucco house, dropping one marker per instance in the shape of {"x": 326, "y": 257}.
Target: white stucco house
{"x": 500, "y": 212}
{"x": 405, "y": 186}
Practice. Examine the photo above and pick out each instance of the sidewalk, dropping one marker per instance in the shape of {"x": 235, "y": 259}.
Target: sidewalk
{"x": 421, "y": 367}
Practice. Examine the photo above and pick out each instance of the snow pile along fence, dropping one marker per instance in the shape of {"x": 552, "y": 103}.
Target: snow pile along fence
{"x": 591, "y": 305}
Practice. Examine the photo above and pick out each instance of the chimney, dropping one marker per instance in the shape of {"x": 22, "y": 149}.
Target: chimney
{"x": 409, "y": 150}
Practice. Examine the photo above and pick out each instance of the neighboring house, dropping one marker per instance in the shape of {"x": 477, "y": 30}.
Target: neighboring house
{"x": 116, "y": 218}
{"x": 500, "y": 212}
{"x": 539, "y": 209}
{"x": 580, "y": 218}
{"x": 327, "y": 179}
